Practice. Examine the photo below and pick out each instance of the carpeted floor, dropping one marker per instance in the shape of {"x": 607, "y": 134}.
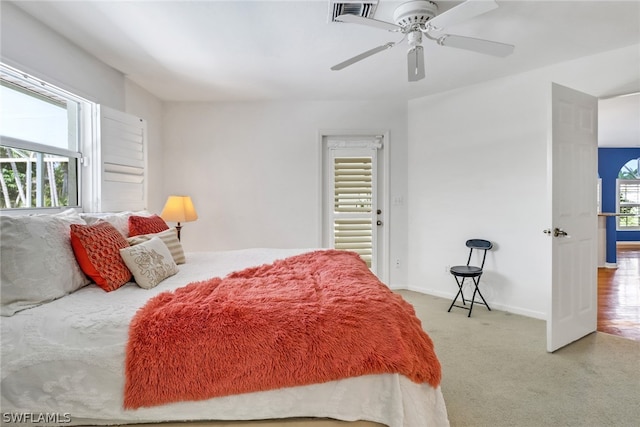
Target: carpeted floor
{"x": 496, "y": 371}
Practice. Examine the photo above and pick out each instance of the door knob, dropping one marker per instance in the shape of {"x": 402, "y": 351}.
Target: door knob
{"x": 557, "y": 232}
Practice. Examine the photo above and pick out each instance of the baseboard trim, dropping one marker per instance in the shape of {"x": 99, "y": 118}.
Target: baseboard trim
{"x": 502, "y": 307}
{"x": 610, "y": 265}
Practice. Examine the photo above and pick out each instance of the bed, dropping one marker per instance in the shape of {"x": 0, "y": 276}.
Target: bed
{"x": 67, "y": 357}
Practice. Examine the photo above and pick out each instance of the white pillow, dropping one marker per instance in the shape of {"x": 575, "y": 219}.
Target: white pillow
{"x": 37, "y": 261}
{"x": 120, "y": 220}
{"x": 169, "y": 237}
{"x": 150, "y": 262}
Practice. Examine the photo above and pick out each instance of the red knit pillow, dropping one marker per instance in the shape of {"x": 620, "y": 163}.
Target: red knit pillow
{"x": 97, "y": 249}
{"x": 146, "y": 225}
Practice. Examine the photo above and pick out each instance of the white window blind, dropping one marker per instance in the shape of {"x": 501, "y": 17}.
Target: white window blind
{"x": 352, "y": 184}
{"x": 123, "y": 160}
{"x": 353, "y": 205}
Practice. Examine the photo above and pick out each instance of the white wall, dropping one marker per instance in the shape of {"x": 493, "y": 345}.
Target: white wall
{"x": 478, "y": 168}
{"x": 459, "y": 147}
{"x": 34, "y": 48}
{"x": 229, "y": 157}
{"x": 252, "y": 169}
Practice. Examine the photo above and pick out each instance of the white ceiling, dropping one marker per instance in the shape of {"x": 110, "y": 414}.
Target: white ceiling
{"x": 265, "y": 50}
{"x": 241, "y": 50}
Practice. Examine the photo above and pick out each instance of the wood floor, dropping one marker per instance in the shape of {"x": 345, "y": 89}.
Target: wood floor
{"x": 619, "y": 295}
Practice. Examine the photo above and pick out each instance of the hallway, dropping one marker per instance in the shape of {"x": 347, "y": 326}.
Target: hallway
{"x": 619, "y": 295}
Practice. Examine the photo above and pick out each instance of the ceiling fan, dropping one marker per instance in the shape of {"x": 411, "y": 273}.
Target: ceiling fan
{"x": 417, "y": 18}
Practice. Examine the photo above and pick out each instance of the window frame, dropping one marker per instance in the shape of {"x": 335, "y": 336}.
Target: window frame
{"x": 80, "y": 126}
{"x": 619, "y": 205}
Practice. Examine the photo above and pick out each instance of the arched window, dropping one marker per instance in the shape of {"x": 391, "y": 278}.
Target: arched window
{"x": 628, "y": 203}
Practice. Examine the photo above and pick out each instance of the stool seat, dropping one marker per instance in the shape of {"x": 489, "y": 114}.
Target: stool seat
{"x": 465, "y": 270}
{"x": 473, "y": 272}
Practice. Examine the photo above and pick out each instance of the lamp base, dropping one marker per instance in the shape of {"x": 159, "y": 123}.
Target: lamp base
{"x": 178, "y": 228}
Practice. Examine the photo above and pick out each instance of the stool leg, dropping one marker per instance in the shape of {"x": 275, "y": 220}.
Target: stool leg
{"x": 459, "y": 293}
{"x": 473, "y": 299}
{"x": 461, "y": 286}
{"x": 477, "y": 283}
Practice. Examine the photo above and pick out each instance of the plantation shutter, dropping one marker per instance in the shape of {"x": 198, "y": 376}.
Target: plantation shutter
{"x": 354, "y": 197}
{"x": 123, "y": 161}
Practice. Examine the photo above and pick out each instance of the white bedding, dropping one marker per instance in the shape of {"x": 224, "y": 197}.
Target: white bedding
{"x": 67, "y": 357}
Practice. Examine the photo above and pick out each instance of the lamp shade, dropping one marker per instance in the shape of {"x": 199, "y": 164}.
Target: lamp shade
{"x": 179, "y": 209}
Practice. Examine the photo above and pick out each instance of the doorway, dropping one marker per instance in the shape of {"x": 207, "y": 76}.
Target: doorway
{"x": 354, "y": 202}
{"x": 619, "y": 287}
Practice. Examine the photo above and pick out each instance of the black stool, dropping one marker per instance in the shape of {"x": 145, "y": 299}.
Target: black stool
{"x": 463, "y": 271}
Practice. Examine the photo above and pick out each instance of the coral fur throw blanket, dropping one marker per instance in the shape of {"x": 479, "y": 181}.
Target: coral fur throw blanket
{"x": 310, "y": 318}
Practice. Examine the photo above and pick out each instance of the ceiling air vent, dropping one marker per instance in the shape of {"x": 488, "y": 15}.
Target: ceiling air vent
{"x": 364, "y": 8}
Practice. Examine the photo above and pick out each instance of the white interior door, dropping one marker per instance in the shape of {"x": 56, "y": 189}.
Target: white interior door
{"x": 574, "y": 150}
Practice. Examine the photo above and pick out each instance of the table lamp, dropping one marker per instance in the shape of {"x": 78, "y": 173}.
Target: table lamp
{"x": 179, "y": 209}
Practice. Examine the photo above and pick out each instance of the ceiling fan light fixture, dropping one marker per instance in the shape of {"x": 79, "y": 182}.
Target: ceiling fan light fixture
{"x": 414, "y": 13}
{"x": 414, "y": 38}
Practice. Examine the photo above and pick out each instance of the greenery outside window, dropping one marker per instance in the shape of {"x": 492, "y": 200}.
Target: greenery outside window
{"x": 628, "y": 189}
{"x": 40, "y": 139}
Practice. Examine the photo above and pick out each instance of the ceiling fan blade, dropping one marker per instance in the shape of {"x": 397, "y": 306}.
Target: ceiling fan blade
{"x": 477, "y": 45}
{"x": 356, "y": 19}
{"x": 415, "y": 63}
{"x": 362, "y": 56}
{"x": 462, "y": 12}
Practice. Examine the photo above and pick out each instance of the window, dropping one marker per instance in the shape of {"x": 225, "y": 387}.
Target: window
{"x": 41, "y": 136}
{"x": 350, "y": 207}
{"x": 628, "y": 186}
